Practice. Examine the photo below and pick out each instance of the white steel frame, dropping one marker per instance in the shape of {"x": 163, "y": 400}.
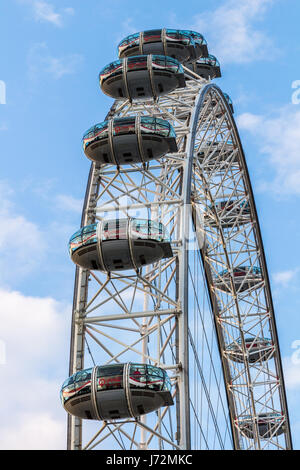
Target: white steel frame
{"x": 146, "y": 316}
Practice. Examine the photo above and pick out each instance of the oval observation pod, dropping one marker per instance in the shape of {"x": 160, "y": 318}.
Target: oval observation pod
{"x": 116, "y": 391}
{"x": 244, "y": 278}
{"x": 212, "y": 153}
{"x": 258, "y": 350}
{"x": 229, "y": 212}
{"x": 141, "y": 77}
{"x": 132, "y": 139}
{"x": 120, "y": 244}
{"x": 200, "y": 43}
{"x": 205, "y": 67}
{"x": 174, "y": 43}
{"x": 269, "y": 425}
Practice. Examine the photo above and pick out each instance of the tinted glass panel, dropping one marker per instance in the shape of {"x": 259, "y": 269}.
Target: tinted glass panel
{"x": 131, "y": 39}
{"x": 156, "y": 125}
{"x": 110, "y": 377}
{"x": 152, "y": 35}
{"x": 84, "y": 236}
{"x": 159, "y": 61}
{"x": 198, "y": 38}
{"x": 137, "y": 63}
{"x": 115, "y": 230}
{"x": 147, "y": 376}
{"x": 180, "y": 36}
{"x": 148, "y": 229}
{"x": 124, "y": 126}
{"x": 115, "y": 68}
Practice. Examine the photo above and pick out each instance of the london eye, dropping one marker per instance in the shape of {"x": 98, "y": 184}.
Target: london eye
{"x": 173, "y": 335}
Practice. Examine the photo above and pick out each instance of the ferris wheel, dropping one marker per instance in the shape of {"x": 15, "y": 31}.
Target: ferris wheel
{"x": 173, "y": 342}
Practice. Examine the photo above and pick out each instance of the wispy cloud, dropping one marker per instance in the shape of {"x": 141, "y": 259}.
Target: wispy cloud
{"x": 284, "y": 278}
{"x": 69, "y": 203}
{"x": 41, "y": 62}
{"x": 232, "y": 33}
{"x": 292, "y": 373}
{"x": 278, "y": 137}
{"x": 45, "y": 12}
{"x": 22, "y": 243}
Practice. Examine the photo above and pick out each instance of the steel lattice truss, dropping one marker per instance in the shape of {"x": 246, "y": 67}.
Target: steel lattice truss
{"x": 180, "y": 314}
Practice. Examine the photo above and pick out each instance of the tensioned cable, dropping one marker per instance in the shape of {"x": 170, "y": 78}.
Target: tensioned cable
{"x": 205, "y": 389}
{"x": 208, "y": 346}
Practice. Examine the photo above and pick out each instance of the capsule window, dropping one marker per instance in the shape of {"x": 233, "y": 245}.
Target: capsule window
{"x": 153, "y": 35}
{"x": 115, "y": 230}
{"x": 110, "y": 377}
{"x": 124, "y": 126}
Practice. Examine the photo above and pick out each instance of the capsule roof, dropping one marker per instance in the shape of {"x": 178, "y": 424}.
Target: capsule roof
{"x": 209, "y": 60}
{"x": 181, "y": 44}
{"x": 148, "y": 229}
{"x": 126, "y": 125}
{"x": 140, "y": 61}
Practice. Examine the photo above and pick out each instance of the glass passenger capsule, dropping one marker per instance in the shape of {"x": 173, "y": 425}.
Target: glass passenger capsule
{"x": 170, "y": 42}
{"x": 141, "y": 77}
{"x": 269, "y": 425}
{"x": 220, "y": 110}
{"x": 120, "y": 244}
{"x": 212, "y": 153}
{"x": 206, "y": 67}
{"x": 116, "y": 391}
{"x": 258, "y": 350}
{"x": 129, "y": 140}
{"x": 230, "y": 212}
{"x": 200, "y": 43}
{"x": 244, "y": 278}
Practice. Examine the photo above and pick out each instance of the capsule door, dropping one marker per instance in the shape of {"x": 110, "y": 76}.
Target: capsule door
{"x": 110, "y": 392}
{"x": 115, "y": 246}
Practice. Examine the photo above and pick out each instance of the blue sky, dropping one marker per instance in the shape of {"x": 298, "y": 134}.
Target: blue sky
{"x": 51, "y": 53}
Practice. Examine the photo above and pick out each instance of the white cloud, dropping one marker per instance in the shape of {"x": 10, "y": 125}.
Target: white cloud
{"x": 231, "y": 31}
{"x": 284, "y": 278}
{"x": 291, "y": 373}
{"x": 35, "y": 332}
{"x": 41, "y": 62}
{"x": 34, "y": 431}
{"x": 278, "y": 137}
{"x": 45, "y": 12}
{"x": 22, "y": 243}
{"x": 60, "y": 66}
{"x": 69, "y": 203}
